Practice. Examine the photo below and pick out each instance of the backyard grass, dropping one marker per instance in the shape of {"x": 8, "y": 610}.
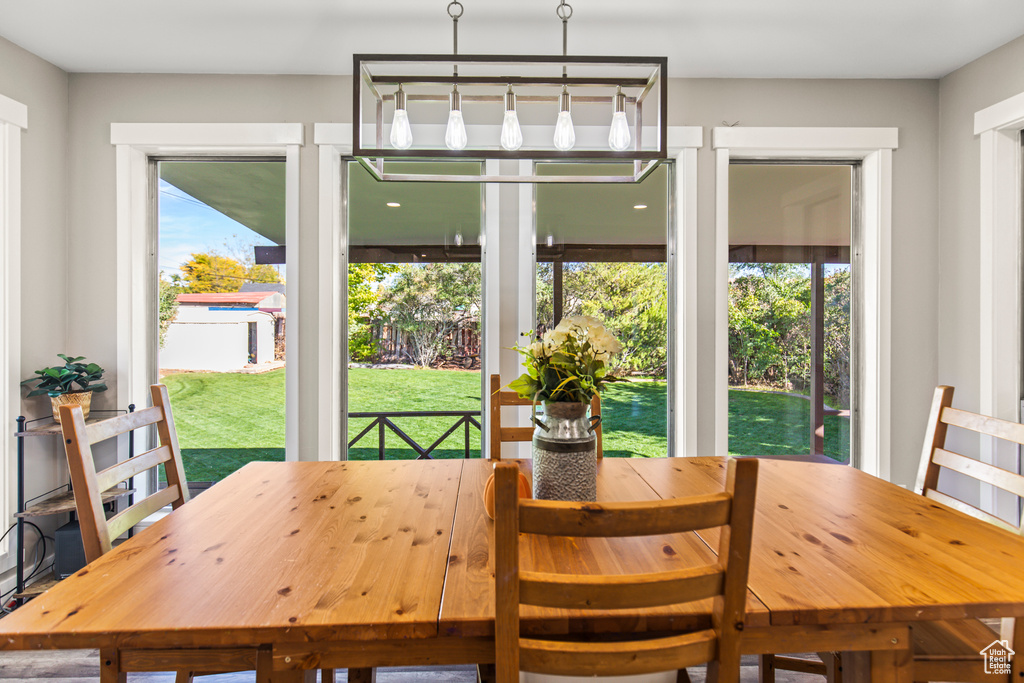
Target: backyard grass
{"x": 225, "y": 420}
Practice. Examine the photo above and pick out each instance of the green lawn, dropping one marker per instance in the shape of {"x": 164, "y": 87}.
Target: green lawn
{"x": 225, "y": 420}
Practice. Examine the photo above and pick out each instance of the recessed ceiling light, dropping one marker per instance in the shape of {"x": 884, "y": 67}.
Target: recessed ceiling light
{"x": 639, "y": 206}
{"x": 394, "y": 205}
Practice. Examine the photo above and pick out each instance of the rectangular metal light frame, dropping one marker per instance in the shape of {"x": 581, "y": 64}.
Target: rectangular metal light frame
{"x": 373, "y": 158}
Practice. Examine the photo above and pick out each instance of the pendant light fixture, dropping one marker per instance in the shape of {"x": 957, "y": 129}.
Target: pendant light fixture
{"x": 542, "y": 83}
{"x": 618, "y": 135}
{"x": 511, "y": 133}
{"x": 455, "y": 132}
{"x": 401, "y": 131}
{"x": 565, "y": 134}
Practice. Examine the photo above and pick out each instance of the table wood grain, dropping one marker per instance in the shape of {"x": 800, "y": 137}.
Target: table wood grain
{"x": 276, "y": 552}
{"x": 468, "y": 606}
{"x": 833, "y": 545}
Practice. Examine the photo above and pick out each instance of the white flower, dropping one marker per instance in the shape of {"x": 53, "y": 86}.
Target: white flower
{"x": 603, "y": 344}
{"x": 538, "y": 349}
{"x": 554, "y": 339}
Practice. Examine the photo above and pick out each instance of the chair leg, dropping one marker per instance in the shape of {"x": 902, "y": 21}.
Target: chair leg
{"x": 833, "y": 666}
{"x": 326, "y": 675}
{"x": 486, "y": 673}
{"x": 766, "y": 669}
{"x": 366, "y": 675}
{"x": 682, "y": 676}
{"x": 183, "y": 677}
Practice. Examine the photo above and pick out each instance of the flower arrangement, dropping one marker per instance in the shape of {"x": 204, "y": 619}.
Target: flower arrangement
{"x": 568, "y": 363}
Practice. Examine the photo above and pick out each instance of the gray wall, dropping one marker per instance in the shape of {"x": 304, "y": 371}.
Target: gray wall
{"x": 980, "y": 84}
{"x": 100, "y": 99}
{"x": 911, "y": 106}
{"x": 43, "y": 88}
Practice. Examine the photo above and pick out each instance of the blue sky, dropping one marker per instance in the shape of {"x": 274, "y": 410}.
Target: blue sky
{"x": 188, "y": 226}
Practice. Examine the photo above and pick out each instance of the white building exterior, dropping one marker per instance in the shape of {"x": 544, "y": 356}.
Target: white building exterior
{"x": 222, "y": 332}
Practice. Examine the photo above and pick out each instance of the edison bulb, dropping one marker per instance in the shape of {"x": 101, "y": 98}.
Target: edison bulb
{"x": 455, "y": 133}
{"x": 511, "y": 133}
{"x": 618, "y": 136}
{"x": 565, "y": 135}
{"x": 401, "y": 131}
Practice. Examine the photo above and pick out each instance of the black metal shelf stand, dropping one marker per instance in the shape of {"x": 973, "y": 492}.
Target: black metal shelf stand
{"x": 36, "y": 427}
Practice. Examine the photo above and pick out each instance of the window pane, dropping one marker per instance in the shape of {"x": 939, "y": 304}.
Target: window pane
{"x": 414, "y": 315}
{"x": 602, "y": 252}
{"x": 222, "y": 314}
{"x": 789, "y": 310}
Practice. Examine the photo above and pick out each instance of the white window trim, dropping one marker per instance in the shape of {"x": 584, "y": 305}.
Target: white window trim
{"x": 335, "y": 142}
{"x": 683, "y": 143}
{"x": 999, "y": 297}
{"x": 135, "y": 143}
{"x": 13, "y": 120}
{"x": 873, "y": 147}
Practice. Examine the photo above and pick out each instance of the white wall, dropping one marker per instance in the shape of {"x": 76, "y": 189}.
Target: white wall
{"x": 215, "y": 346}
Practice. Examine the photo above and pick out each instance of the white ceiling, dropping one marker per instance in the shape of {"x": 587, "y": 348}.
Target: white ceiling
{"x": 702, "y": 38}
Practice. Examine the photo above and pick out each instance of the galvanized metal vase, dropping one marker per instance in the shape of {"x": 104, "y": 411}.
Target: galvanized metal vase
{"x": 565, "y": 453}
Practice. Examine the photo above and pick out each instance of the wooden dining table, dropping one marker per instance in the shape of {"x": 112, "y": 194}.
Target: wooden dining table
{"x": 289, "y": 567}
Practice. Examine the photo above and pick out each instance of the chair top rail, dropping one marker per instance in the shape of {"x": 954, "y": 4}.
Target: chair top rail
{"x": 991, "y": 426}
{"x": 101, "y": 431}
{"x": 644, "y": 518}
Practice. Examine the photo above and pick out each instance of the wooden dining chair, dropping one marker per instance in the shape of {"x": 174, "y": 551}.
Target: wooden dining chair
{"x": 628, "y": 653}
{"x": 99, "y": 532}
{"x": 501, "y": 434}
{"x": 951, "y": 650}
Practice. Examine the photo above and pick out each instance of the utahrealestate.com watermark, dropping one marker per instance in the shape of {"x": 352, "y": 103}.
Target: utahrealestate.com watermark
{"x": 997, "y": 657}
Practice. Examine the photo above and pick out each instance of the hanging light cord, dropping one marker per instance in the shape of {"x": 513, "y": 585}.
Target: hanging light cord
{"x": 455, "y": 10}
{"x": 564, "y": 12}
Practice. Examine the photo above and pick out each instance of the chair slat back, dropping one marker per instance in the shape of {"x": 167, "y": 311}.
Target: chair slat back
{"x": 936, "y": 456}
{"x": 725, "y": 580}
{"x": 98, "y": 532}
{"x": 501, "y": 434}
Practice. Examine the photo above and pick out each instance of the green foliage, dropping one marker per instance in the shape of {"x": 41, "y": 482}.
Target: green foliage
{"x": 429, "y": 301}
{"x": 60, "y": 379}
{"x": 769, "y": 324}
{"x": 631, "y": 299}
{"x": 364, "y": 282}
{"x": 167, "y": 306}
{"x": 770, "y": 327}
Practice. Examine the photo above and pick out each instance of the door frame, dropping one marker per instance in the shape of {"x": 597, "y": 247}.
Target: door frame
{"x": 136, "y": 333}
{"x": 872, "y": 353}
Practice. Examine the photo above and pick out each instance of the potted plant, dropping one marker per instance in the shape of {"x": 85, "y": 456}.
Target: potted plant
{"x": 59, "y": 383}
{"x": 565, "y": 369}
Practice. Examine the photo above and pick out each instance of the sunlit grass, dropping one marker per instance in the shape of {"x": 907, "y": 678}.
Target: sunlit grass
{"x": 225, "y": 420}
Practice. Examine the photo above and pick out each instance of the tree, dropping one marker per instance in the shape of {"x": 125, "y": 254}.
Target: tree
{"x": 428, "y": 302}
{"x": 769, "y": 323}
{"x": 630, "y": 298}
{"x": 364, "y": 281}
{"x": 167, "y": 305}
{"x": 212, "y": 273}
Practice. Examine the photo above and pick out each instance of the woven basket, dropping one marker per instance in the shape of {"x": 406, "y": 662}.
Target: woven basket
{"x": 72, "y": 398}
